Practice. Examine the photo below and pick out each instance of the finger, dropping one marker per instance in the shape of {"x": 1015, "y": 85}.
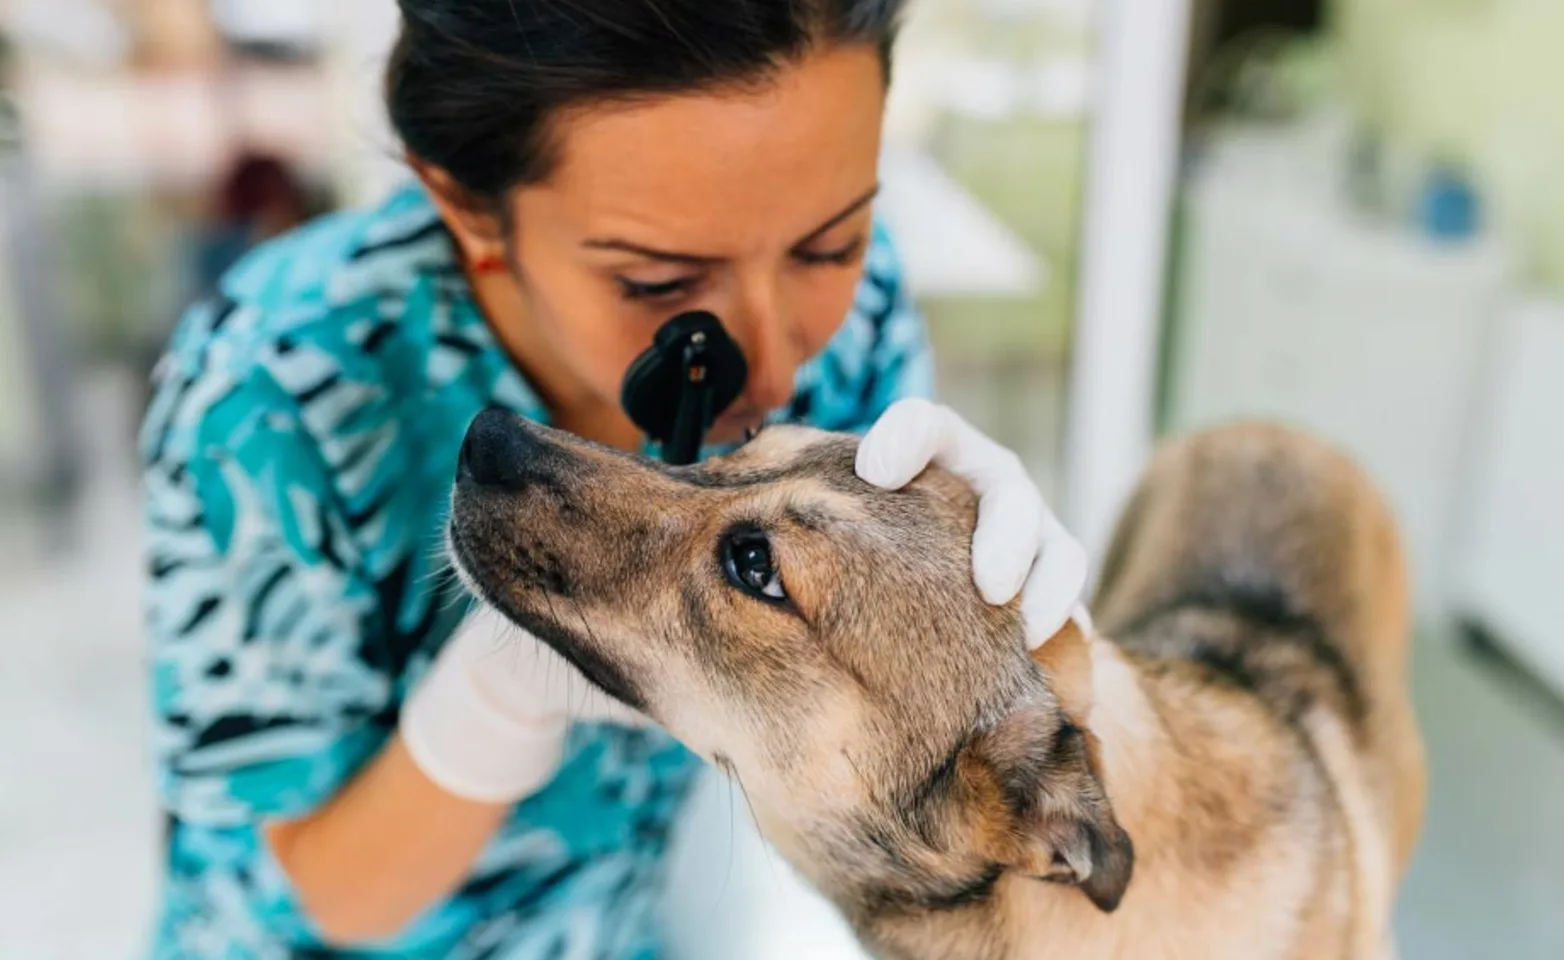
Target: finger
{"x": 973, "y": 456}
{"x": 1052, "y": 594}
{"x": 900, "y": 445}
{"x": 914, "y": 433}
{"x": 1006, "y": 542}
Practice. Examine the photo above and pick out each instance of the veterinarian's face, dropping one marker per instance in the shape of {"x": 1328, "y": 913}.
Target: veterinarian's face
{"x": 752, "y": 203}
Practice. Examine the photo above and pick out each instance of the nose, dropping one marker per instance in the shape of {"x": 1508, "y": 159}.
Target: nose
{"x": 769, "y": 346}
{"x": 502, "y": 451}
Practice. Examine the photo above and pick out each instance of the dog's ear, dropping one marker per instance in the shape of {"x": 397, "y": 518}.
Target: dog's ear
{"x": 1074, "y": 838}
{"x": 1066, "y": 660}
{"x": 1063, "y": 828}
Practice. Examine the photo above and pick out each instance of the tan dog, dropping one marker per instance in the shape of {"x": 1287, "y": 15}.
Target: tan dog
{"x": 1236, "y": 775}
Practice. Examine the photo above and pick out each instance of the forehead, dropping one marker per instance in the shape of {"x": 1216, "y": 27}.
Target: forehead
{"x": 703, "y": 167}
{"x": 809, "y": 479}
{"x": 799, "y": 457}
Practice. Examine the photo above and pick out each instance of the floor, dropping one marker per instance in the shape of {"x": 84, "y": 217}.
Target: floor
{"x": 1488, "y": 880}
{"x": 77, "y": 859}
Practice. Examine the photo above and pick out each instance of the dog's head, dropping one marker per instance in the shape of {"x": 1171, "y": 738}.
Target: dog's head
{"x": 820, "y": 640}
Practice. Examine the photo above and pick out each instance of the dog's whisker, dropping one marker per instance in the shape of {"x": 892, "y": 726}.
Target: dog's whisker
{"x": 438, "y": 562}
{"x": 438, "y": 556}
{"x": 452, "y": 598}
{"x": 502, "y": 634}
{"x": 863, "y": 778}
{"x": 438, "y": 580}
{"x": 570, "y": 708}
{"x": 727, "y": 767}
{"x": 447, "y": 585}
{"x": 585, "y": 626}
{"x": 727, "y": 876}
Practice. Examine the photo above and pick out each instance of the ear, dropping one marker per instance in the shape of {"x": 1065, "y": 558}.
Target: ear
{"x": 473, "y": 220}
{"x": 1066, "y": 661}
{"x": 1081, "y": 844}
{"x": 1064, "y": 829}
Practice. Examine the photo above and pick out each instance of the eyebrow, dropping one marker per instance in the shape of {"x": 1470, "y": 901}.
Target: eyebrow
{"x": 695, "y": 259}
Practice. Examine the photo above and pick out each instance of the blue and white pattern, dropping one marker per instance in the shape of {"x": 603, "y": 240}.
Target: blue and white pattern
{"x": 298, "y": 457}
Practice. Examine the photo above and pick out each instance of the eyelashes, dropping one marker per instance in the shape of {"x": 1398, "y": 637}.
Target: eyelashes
{"x": 840, "y": 257}
{"x": 668, "y": 289}
{"x": 664, "y": 291}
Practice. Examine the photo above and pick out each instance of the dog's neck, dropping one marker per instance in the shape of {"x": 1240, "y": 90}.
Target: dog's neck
{"x": 1146, "y": 766}
{"x": 1101, "y": 689}
{"x": 1133, "y": 739}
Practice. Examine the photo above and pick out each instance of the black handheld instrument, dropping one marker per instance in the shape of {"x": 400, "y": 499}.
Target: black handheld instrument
{"x": 676, "y": 389}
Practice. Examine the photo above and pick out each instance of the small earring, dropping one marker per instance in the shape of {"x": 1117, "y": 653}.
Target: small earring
{"x": 489, "y": 264}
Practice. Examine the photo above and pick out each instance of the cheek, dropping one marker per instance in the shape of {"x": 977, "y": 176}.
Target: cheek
{"x": 589, "y": 326}
{"x": 606, "y": 353}
{"x": 822, "y": 299}
{"x": 801, "y": 762}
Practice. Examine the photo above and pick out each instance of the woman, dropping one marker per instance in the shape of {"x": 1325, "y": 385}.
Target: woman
{"x": 341, "y": 774}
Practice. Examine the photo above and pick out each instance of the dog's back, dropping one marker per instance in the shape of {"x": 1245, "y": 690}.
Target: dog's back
{"x": 1257, "y": 560}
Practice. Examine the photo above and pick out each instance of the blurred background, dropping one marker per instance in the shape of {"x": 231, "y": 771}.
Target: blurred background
{"x": 1348, "y": 215}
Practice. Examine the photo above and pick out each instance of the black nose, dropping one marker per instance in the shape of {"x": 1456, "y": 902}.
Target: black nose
{"x": 501, "y": 450}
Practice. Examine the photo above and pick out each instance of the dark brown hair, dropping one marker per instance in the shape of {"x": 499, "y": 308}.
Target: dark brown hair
{"x": 473, "y": 84}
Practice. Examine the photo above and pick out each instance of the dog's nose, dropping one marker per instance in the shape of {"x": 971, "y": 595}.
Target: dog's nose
{"x": 501, "y": 450}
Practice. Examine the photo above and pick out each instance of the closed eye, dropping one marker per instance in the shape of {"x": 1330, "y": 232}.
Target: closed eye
{"x": 841, "y": 257}
{"x": 666, "y": 290}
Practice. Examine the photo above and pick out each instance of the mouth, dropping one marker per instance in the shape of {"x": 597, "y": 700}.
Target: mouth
{"x": 599, "y": 671}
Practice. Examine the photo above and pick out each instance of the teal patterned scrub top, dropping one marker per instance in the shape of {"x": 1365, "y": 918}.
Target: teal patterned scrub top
{"x": 298, "y": 457}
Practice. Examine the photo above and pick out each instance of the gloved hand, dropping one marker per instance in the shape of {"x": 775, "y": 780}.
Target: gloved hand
{"x": 1019, "y": 547}
{"x": 489, "y": 719}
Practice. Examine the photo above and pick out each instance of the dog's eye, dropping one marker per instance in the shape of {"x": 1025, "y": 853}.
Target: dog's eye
{"x": 748, "y": 564}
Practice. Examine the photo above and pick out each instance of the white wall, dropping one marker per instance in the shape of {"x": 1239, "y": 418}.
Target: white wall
{"x": 361, "y": 33}
{"x": 1130, "y": 183}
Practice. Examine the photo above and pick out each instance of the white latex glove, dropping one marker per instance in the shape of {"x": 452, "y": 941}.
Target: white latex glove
{"x": 489, "y": 719}
{"x": 1019, "y": 547}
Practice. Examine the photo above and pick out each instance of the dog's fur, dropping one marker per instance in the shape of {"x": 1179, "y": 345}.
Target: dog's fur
{"x": 1236, "y": 774}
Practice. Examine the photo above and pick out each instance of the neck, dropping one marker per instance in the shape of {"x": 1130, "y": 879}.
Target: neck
{"x": 1134, "y": 741}
{"x": 1158, "y": 756}
{"x": 1028, "y": 919}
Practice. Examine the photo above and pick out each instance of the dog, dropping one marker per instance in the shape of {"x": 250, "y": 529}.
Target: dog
{"x": 1236, "y": 773}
